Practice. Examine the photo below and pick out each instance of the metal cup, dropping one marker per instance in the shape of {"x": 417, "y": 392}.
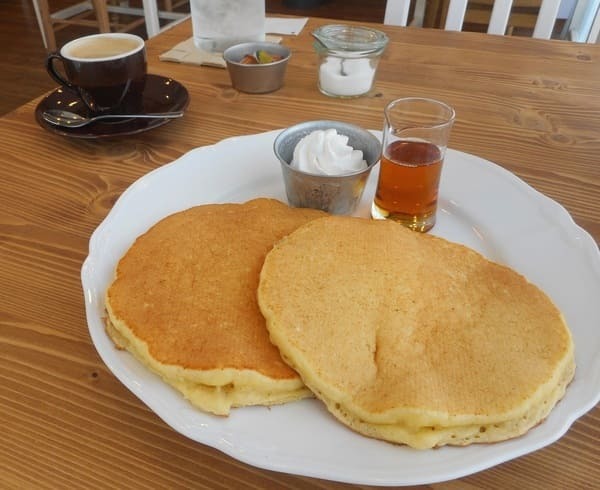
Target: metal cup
{"x": 336, "y": 194}
{"x": 259, "y": 78}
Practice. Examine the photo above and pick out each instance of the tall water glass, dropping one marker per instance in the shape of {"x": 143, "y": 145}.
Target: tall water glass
{"x": 219, "y": 24}
{"x": 415, "y": 137}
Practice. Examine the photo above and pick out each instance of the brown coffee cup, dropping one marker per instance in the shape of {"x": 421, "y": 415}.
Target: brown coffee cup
{"x": 108, "y": 71}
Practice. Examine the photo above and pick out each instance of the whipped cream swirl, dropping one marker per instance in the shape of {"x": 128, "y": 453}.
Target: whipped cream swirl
{"x": 326, "y": 152}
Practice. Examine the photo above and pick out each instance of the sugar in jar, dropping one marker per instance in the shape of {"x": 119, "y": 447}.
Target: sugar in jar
{"x": 347, "y": 58}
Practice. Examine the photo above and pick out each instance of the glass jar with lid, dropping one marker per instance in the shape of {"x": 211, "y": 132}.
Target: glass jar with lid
{"x": 347, "y": 58}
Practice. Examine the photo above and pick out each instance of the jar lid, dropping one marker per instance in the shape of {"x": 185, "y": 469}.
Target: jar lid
{"x": 356, "y": 40}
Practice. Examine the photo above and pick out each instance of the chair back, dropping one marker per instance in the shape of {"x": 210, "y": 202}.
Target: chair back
{"x": 397, "y": 12}
{"x": 584, "y": 24}
{"x": 544, "y": 24}
{"x": 108, "y": 15}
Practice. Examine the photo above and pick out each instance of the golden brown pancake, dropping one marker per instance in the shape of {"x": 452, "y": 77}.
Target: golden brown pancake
{"x": 184, "y": 302}
{"x": 411, "y": 338}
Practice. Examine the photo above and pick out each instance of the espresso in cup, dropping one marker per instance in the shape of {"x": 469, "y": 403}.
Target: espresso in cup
{"x": 107, "y": 70}
{"x": 102, "y": 47}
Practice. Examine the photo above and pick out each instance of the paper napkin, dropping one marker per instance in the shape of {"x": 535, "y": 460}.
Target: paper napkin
{"x": 282, "y": 25}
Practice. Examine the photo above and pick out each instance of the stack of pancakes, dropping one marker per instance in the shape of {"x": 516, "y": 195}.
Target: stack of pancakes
{"x": 413, "y": 339}
{"x": 405, "y": 337}
{"x": 184, "y": 303}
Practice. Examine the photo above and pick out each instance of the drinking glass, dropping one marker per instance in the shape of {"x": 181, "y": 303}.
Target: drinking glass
{"x": 219, "y": 24}
{"x": 415, "y": 138}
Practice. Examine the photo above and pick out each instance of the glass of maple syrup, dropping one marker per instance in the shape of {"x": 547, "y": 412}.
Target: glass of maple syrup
{"x": 415, "y": 137}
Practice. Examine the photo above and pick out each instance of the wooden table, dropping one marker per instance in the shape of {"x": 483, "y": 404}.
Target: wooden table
{"x": 531, "y": 106}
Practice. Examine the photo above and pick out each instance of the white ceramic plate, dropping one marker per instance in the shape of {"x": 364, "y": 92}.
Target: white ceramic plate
{"x": 481, "y": 205}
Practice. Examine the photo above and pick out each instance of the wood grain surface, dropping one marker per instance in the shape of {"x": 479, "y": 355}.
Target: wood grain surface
{"x": 531, "y": 106}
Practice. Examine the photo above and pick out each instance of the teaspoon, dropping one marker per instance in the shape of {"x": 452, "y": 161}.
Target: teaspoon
{"x": 69, "y": 119}
{"x": 328, "y": 46}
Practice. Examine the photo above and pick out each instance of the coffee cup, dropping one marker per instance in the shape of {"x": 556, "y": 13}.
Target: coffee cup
{"x": 108, "y": 71}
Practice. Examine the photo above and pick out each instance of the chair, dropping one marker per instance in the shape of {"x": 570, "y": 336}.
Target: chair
{"x": 78, "y": 14}
{"x": 396, "y": 13}
{"x": 594, "y": 34}
{"x": 584, "y": 24}
{"x": 500, "y": 14}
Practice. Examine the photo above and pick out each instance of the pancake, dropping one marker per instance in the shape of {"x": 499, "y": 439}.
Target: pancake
{"x": 411, "y": 338}
{"x": 183, "y": 302}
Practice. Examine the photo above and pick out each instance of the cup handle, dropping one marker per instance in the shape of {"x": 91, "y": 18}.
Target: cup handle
{"x": 53, "y": 73}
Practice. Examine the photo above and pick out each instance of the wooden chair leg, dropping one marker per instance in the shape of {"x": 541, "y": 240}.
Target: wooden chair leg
{"x": 45, "y": 23}
{"x": 101, "y": 15}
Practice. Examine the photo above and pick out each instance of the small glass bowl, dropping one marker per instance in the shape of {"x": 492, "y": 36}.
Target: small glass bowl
{"x": 348, "y": 58}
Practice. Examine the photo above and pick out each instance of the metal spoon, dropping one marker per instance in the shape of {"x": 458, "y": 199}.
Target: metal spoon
{"x": 324, "y": 44}
{"x": 69, "y": 119}
{"x": 321, "y": 40}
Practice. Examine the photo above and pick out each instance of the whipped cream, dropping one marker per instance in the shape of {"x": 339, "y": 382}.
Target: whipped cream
{"x": 326, "y": 152}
